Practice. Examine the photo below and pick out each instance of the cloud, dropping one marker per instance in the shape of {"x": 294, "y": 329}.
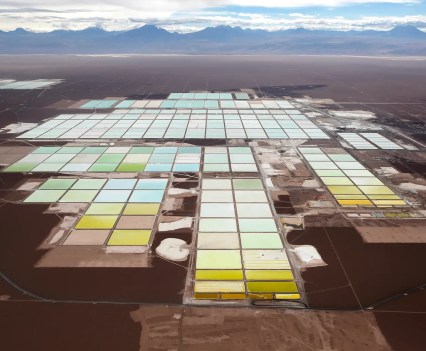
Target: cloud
{"x": 310, "y": 22}
{"x": 190, "y": 15}
{"x": 300, "y": 15}
{"x": 186, "y": 5}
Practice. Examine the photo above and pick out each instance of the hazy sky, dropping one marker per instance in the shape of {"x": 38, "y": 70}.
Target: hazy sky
{"x": 191, "y": 15}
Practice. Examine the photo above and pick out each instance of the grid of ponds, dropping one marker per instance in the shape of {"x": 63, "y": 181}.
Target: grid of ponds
{"x": 136, "y": 159}
{"x": 102, "y": 104}
{"x": 122, "y": 212}
{"x": 348, "y": 180}
{"x": 179, "y": 124}
{"x": 196, "y": 104}
{"x": 212, "y": 101}
{"x": 209, "y": 96}
{"x": 27, "y": 84}
{"x": 366, "y": 141}
{"x": 381, "y": 141}
{"x": 240, "y": 253}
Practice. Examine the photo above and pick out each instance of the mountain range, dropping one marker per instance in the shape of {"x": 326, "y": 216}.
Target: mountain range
{"x": 149, "y": 39}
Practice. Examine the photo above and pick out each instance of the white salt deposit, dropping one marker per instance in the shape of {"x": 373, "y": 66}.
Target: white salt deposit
{"x": 386, "y": 171}
{"x": 173, "y": 249}
{"x": 412, "y": 187}
{"x": 309, "y": 256}
{"x": 16, "y": 128}
{"x": 181, "y": 223}
{"x": 356, "y": 114}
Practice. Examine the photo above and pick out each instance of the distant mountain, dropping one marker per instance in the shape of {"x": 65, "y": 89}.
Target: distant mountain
{"x": 20, "y": 31}
{"x": 149, "y": 32}
{"x": 221, "y": 33}
{"x": 407, "y": 32}
{"x": 149, "y": 39}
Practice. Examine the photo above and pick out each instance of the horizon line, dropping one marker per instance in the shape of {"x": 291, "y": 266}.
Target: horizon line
{"x": 212, "y": 27}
